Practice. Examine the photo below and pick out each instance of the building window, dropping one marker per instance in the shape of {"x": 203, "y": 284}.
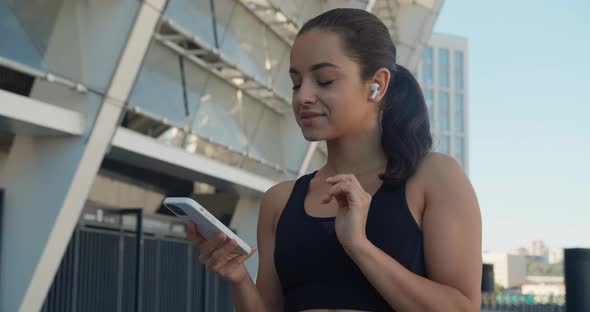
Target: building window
{"x": 459, "y": 70}
{"x": 459, "y": 150}
{"x": 427, "y": 67}
{"x": 444, "y": 144}
{"x": 443, "y": 111}
{"x": 429, "y": 106}
{"x": 459, "y": 113}
{"x": 443, "y": 69}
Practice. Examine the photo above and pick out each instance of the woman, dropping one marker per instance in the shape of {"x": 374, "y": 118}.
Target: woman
{"x": 385, "y": 224}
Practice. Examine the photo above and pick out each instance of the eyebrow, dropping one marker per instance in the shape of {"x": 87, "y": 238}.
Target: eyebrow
{"x": 314, "y": 67}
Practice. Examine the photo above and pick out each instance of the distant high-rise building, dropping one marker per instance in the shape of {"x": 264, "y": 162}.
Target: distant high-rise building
{"x": 443, "y": 75}
{"x": 539, "y": 250}
{"x": 520, "y": 251}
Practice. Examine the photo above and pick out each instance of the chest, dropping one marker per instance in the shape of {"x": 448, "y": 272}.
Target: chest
{"x": 312, "y": 240}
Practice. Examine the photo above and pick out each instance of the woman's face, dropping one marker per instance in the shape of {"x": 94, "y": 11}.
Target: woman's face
{"x": 329, "y": 98}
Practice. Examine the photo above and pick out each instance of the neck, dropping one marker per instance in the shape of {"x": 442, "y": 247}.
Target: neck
{"x": 360, "y": 153}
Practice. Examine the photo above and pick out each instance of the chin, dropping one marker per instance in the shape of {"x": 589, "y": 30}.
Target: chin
{"x": 314, "y": 136}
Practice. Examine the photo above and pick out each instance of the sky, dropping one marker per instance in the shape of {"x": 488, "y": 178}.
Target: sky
{"x": 529, "y": 118}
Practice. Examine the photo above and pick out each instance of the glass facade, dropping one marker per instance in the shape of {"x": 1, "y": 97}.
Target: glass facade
{"x": 213, "y": 108}
{"x": 39, "y": 30}
{"x": 444, "y": 144}
{"x": 428, "y": 97}
{"x": 459, "y": 113}
{"x": 459, "y": 150}
{"x": 458, "y": 64}
{"x": 443, "y": 68}
{"x": 427, "y": 67}
{"x": 445, "y": 99}
{"x": 443, "y": 111}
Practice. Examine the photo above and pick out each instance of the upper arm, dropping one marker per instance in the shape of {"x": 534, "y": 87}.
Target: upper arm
{"x": 451, "y": 227}
{"x": 267, "y": 281}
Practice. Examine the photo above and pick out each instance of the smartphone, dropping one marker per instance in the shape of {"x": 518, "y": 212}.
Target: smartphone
{"x": 189, "y": 210}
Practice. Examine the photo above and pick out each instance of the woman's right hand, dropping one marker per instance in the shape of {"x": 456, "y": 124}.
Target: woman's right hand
{"x": 217, "y": 255}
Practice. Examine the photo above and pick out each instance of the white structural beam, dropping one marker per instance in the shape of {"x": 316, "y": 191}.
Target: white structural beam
{"x": 308, "y": 156}
{"x": 144, "y": 151}
{"x": 245, "y": 222}
{"x": 36, "y": 230}
{"x": 23, "y": 115}
{"x": 370, "y": 5}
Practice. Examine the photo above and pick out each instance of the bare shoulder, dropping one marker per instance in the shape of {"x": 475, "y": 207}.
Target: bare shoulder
{"x": 444, "y": 182}
{"x": 275, "y": 199}
{"x": 278, "y": 194}
{"x": 439, "y": 166}
{"x": 438, "y": 178}
{"x": 431, "y": 173}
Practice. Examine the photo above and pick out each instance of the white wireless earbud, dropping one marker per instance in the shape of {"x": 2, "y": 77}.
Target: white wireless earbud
{"x": 374, "y": 90}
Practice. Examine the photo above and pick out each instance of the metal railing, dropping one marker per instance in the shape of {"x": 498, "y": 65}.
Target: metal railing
{"x": 100, "y": 270}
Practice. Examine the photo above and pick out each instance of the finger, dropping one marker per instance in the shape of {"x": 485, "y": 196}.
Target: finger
{"x": 242, "y": 259}
{"x": 341, "y": 178}
{"x": 222, "y": 266}
{"x": 225, "y": 250}
{"x": 193, "y": 233}
{"x": 222, "y": 255}
{"x": 336, "y": 189}
{"x": 340, "y": 189}
{"x": 211, "y": 245}
{"x": 346, "y": 179}
{"x": 236, "y": 260}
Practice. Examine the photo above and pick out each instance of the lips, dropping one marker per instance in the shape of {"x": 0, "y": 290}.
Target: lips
{"x": 310, "y": 118}
{"x": 307, "y": 115}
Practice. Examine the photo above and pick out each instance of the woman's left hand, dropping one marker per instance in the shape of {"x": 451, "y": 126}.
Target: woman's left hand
{"x": 353, "y": 208}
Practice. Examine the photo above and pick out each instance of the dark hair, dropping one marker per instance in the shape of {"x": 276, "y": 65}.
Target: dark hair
{"x": 405, "y": 127}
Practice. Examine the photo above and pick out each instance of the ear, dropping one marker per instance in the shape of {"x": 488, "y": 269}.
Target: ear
{"x": 381, "y": 77}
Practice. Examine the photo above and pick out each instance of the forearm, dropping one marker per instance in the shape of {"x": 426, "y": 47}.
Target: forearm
{"x": 401, "y": 288}
{"x": 246, "y": 297}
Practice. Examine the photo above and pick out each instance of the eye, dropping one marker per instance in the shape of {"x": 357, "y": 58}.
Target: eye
{"x": 296, "y": 87}
{"x": 325, "y": 83}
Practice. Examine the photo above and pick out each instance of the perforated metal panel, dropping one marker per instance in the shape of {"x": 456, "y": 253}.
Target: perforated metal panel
{"x": 16, "y": 82}
{"x": 97, "y": 273}
{"x": 59, "y": 297}
{"x": 98, "y": 278}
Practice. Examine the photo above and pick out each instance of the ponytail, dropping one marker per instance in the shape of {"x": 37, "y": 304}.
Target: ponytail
{"x": 405, "y": 128}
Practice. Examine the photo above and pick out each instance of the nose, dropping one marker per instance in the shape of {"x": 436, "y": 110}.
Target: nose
{"x": 305, "y": 95}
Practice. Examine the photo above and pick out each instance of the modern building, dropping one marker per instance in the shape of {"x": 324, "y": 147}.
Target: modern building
{"x": 509, "y": 270}
{"x": 443, "y": 75}
{"x": 107, "y": 107}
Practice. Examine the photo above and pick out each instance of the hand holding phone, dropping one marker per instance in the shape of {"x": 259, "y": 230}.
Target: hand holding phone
{"x": 220, "y": 249}
{"x": 208, "y": 226}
